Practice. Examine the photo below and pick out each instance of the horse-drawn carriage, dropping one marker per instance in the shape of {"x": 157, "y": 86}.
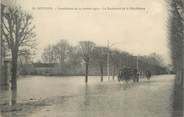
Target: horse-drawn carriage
{"x": 128, "y": 74}
{"x": 131, "y": 74}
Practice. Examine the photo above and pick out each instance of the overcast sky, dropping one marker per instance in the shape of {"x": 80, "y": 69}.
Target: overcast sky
{"x": 136, "y": 31}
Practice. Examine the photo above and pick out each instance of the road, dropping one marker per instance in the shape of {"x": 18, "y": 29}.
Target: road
{"x": 70, "y": 97}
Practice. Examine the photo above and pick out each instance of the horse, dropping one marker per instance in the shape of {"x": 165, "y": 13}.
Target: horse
{"x": 148, "y": 75}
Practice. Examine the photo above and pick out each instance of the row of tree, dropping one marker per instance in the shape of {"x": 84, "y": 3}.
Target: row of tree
{"x": 73, "y": 60}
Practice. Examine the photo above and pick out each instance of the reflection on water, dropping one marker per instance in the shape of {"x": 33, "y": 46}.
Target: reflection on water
{"x": 86, "y": 98}
{"x": 71, "y": 97}
{"x": 13, "y": 97}
{"x": 8, "y": 102}
{"x": 8, "y": 97}
{"x": 178, "y": 102}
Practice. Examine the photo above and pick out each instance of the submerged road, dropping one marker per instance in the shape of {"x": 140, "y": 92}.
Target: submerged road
{"x": 69, "y": 97}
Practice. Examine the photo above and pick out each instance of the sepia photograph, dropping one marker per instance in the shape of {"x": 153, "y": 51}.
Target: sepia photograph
{"x": 92, "y": 58}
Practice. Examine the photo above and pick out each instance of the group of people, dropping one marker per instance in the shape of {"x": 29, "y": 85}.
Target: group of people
{"x": 131, "y": 74}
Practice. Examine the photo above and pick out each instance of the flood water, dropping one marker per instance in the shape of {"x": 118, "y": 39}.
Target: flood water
{"x": 39, "y": 96}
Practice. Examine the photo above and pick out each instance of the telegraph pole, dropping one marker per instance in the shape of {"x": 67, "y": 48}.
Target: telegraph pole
{"x": 108, "y": 57}
{"x": 137, "y": 65}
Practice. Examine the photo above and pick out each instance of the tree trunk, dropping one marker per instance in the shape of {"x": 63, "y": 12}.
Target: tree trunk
{"x": 14, "y": 70}
{"x": 101, "y": 72}
{"x": 86, "y": 74}
{"x": 113, "y": 75}
{"x": 182, "y": 80}
{"x": 179, "y": 78}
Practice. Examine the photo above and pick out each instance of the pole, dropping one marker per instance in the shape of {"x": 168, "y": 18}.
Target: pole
{"x": 108, "y": 52}
{"x": 137, "y": 65}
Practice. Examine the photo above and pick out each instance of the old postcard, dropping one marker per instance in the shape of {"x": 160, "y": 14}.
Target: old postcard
{"x": 92, "y": 58}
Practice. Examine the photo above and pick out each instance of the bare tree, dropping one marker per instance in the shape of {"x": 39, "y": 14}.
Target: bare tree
{"x": 74, "y": 60}
{"x": 156, "y": 59}
{"x": 48, "y": 55}
{"x": 17, "y": 31}
{"x": 99, "y": 56}
{"x": 116, "y": 61}
{"x": 86, "y": 51}
{"x": 57, "y": 53}
{"x": 61, "y": 50}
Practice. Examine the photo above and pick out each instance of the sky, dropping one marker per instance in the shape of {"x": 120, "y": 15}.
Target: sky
{"x": 138, "y": 31}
